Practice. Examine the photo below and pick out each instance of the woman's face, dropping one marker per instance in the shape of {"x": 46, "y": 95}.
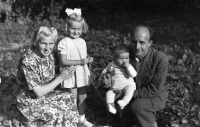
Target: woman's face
{"x": 45, "y": 46}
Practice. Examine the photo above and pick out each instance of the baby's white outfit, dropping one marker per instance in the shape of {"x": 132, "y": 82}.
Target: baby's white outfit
{"x": 123, "y": 76}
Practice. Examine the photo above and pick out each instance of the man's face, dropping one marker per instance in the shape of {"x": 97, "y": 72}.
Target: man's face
{"x": 141, "y": 42}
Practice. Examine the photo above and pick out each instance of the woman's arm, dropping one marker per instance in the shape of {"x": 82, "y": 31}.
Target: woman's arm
{"x": 44, "y": 89}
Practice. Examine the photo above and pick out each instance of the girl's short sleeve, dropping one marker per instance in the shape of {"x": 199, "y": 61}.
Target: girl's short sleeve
{"x": 62, "y": 46}
{"x": 31, "y": 75}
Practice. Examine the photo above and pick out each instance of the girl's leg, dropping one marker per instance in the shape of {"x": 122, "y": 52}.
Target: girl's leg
{"x": 128, "y": 94}
{"x": 74, "y": 92}
{"x": 82, "y": 95}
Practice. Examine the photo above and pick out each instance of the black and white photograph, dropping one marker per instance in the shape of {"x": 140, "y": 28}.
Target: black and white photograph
{"x": 99, "y": 63}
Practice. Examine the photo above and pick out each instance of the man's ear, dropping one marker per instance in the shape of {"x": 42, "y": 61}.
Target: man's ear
{"x": 150, "y": 42}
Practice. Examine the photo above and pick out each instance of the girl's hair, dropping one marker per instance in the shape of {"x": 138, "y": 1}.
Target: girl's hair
{"x": 44, "y": 31}
{"x": 120, "y": 49}
{"x": 78, "y": 18}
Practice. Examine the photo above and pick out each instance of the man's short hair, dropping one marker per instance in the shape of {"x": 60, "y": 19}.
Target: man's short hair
{"x": 151, "y": 32}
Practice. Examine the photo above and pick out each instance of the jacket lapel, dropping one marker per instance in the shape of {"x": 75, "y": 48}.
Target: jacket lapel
{"x": 145, "y": 70}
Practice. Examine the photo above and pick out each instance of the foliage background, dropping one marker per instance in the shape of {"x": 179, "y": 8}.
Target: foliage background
{"x": 177, "y": 33}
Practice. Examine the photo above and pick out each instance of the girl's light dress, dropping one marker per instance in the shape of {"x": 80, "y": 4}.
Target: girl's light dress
{"x": 75, "y": 49}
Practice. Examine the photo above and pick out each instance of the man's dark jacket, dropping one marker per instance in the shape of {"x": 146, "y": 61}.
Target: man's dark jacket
{"x": 151, "y": 78}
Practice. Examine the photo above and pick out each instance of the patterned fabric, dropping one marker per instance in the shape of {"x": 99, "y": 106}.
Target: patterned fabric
{"x": 57, "y": 108}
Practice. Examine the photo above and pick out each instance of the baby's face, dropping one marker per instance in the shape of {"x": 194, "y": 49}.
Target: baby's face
{"x": 122, "y": 58}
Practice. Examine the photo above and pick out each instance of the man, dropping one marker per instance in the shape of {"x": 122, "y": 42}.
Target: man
{"x": 152, "y": 66}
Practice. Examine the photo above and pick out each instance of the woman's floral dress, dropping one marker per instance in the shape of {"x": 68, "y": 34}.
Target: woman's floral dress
{"x": 55, "y": 109}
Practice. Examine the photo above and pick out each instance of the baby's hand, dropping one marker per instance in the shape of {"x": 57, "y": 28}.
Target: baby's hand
{"x": 126, "y": 64}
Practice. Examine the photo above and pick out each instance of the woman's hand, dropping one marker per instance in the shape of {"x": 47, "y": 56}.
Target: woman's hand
{"x": 44, "y": 89}
{"x": 67, "y": 72}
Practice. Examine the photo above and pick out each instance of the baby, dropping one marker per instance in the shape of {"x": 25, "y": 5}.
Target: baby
{"x": 118, "y": 76}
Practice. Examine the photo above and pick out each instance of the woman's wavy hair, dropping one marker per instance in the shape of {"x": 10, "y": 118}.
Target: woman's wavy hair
{"x": 44, "y": 31}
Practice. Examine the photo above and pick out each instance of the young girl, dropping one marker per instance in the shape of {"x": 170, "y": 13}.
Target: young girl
{"x": 73, "y": 51}
{"x": 119, "y": 76}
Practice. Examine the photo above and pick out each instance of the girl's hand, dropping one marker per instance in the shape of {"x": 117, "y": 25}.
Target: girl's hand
{"x": 86, "y": 60}
{"x": 67, "y": 72}
{"x": 90, "y": 60}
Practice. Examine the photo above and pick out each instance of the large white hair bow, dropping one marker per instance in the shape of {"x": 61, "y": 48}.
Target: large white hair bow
{"x": 70, "y": 11}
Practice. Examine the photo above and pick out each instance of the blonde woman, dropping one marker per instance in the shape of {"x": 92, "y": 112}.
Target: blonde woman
{"x": 38, "y": 99}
